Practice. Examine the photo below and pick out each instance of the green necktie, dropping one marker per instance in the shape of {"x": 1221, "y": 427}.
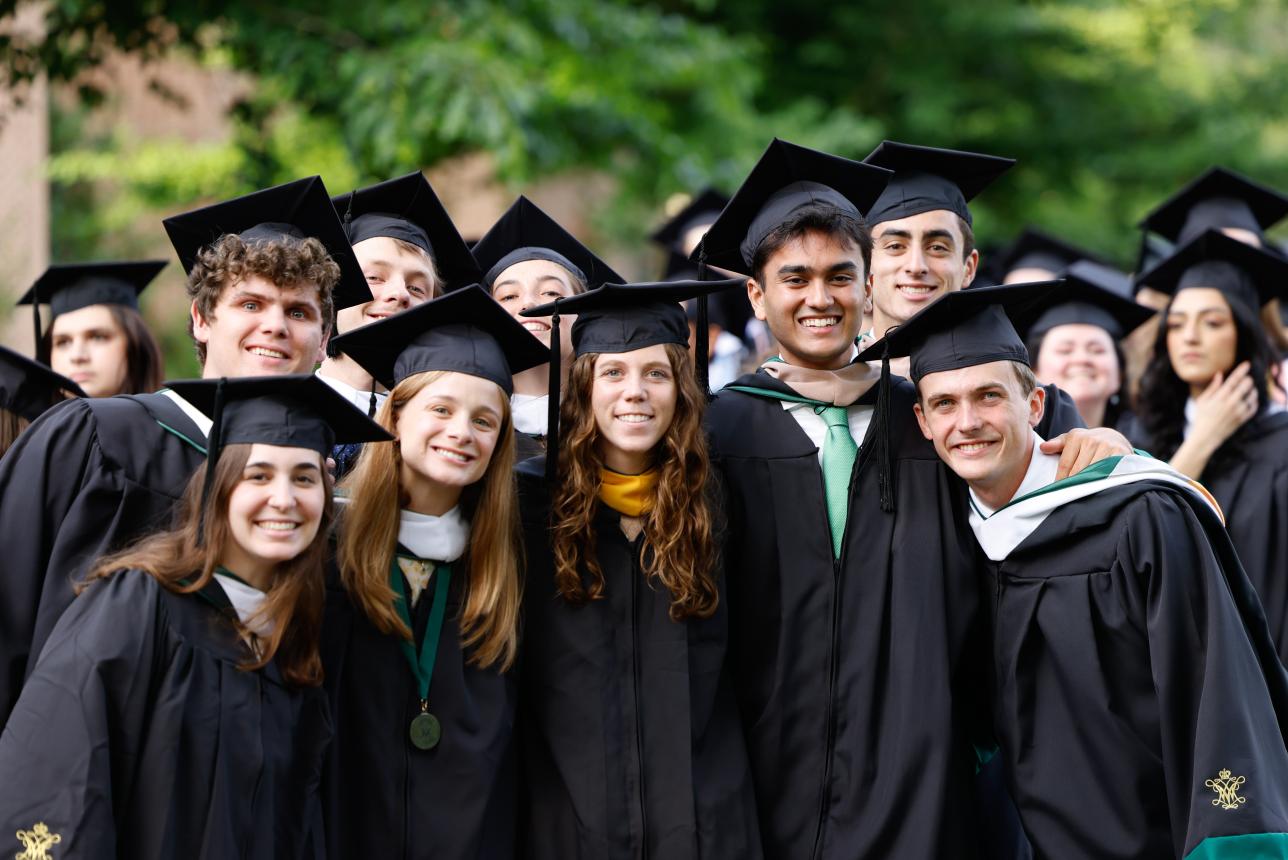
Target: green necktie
{"x": 839, "y": 452}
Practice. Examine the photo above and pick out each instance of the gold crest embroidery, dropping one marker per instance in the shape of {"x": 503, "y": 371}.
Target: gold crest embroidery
{"x": 1227, "y": 790}
{"x": 37, "y": 841}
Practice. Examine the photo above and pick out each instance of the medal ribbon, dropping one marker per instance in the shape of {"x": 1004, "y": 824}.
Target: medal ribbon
{"x": 422, "y": 665}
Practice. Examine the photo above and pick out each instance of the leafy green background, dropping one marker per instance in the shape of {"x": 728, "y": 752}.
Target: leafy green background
{"x": 1109, "y": 106}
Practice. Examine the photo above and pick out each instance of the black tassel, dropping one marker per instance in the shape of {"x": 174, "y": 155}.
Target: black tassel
{"x": 371, "y": 404}
{"x": 35, "y": 326}
{"x": 552, "y": 406}
{"x": 884, "y": 482}
{"x": 214, "y": 442}
{"x": 702, "y": 344}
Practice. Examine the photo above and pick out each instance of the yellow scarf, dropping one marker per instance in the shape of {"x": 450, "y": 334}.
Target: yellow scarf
{"x": 627, "y": 494}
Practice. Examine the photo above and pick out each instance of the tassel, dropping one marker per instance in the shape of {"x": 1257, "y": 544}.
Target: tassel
{"x": 213, "y": 444}
{"x": 371, "y": 404}
{"x": 552, "y": 406}
{"x": 702, "y": 345}
{"x": 884, "y": 482}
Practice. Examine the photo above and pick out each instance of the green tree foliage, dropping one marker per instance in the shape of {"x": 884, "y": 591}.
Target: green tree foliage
{"x": 1108, "y": 104}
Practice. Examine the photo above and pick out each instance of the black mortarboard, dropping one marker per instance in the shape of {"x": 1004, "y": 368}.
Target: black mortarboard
{"x": 28, "y": 388}
{"x": 296, "y": 411}
{"x": 1096, "y": 295}
{"x": 464, "y": 331}
{"x": 525, "y": 233}
{"x": 926, "y": 178}
{"x": 621, "y": 318}
{"x": 968, "y": 327}
{"x": 1037, "y": 249}
{"x": 1217, "y": 199}
{"x": 299, "y": 209}
{"x": 407, "y": 208}
{"x": 1215, "y": 260}
{"x": 69, "y": 287}
{"x": 785, "y": 178}
{"x": 704, "y": 208}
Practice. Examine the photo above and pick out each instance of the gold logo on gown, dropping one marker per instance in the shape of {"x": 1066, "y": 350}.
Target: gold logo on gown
{"x": 1227, "y": 790}
{"x": 37, "y": 841}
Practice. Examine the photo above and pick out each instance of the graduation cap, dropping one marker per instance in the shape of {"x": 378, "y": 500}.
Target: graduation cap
{"x": 407, "y": 208}
{"x": 69, "y": 287}
{"x": 296, "y": 411}
{"x": 1097, "y": 295}
{"x": 299, "y": 209}
{"x": 1212, "y": 259}
{"x": 786, "y": 178}
{"x": 1218, "y": 199}
{"x": 27, "y": 387}
{"x": 618, "y": 318}
{"x": 1037, "y": 249}
{"x": 968, "y": 328}
{"x": 525, "y": 233}
{"x": 702, "y": 209}
{"x": 926, "y": 178}
{"x": 464, "y": 331}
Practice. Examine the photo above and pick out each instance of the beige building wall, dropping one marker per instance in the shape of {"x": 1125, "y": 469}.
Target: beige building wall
{"x": 24, "y": 197}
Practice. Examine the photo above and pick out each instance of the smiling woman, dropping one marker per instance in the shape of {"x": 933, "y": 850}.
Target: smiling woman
{"x": 183, "y": 681}
{"x": 421, "y": 626}
{"x": 625, "y": 629}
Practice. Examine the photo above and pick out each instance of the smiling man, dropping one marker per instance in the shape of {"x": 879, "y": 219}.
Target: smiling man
{"x": 93, "y": 474}
{"x": 1135, "y": 683}
{"x": 853, "y": 594}
{"x": 923, "y": 244}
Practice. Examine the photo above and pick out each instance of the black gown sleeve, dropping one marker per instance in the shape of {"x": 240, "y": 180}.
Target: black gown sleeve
{"x": 41, "y": 478}
{"x": 67, "y": 750}
{"x": 1222, "y": 695}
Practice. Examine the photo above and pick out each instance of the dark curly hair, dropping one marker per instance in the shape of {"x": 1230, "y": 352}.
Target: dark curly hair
{"x": 1163, "y": 394}
{"x": 680, "y": 524}
{"x": 287, "y": 262}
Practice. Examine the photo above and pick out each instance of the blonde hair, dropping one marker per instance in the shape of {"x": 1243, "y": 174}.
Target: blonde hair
{"x": 369, "y": 532}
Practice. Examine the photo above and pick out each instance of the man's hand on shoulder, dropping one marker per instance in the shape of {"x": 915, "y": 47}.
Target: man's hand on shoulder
{"x": 1081, "y": 447}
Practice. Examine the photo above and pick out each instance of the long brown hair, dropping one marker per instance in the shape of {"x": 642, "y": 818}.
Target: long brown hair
{"x": 680, "y": 547}
{"x": 292, "y": 605}
{"x": 369, "y": 532}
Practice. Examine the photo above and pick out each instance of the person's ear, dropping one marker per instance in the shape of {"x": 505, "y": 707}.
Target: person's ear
{"x": 921, "y": 422}
{"x": 972, "y": 266}
{"x": 756, "y": 295}
{"x": 200, "y": 326}
{"x": 1037, "y": 405}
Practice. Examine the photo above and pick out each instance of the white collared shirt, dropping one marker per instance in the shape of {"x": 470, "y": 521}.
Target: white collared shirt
{"x": 194, "y": 414}
{"x": 859, "y": 415}
{"x": 529, "y": 413}
{"x": 1041, "y": 471}
{"x": 361, "y": 398}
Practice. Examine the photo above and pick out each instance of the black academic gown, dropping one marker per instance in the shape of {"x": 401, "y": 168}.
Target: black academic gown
{"x": 527, "y": 446}
{"x": 138, "y": 736}
{"x": 1248, "y": 476}
{"x": 631, "y": 745}
{"x": 1133, "y": 664}
{"x": 383, "y": 797}
{"x": 860, "y": 680}
{"x": 88, "y": 477}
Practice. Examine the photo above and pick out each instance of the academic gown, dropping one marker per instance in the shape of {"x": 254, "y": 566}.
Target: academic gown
{"x": 631, "y": 744}
{"x": 860, "y": 680}
{"x": 138, "y": 736}
{"x": 87, "y": 478}
{"x": 382, "y": 796}
{"x": 1133, "y": 665}
{"x": 1249, "y": 478}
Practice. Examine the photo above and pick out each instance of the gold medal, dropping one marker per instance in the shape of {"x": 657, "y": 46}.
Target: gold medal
{"x": 425, "y": 731}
